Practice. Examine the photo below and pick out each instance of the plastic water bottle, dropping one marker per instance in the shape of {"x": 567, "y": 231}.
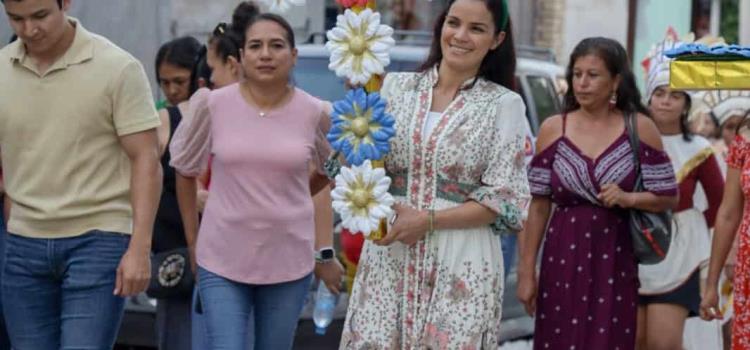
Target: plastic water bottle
{"x": 325, "y": 303}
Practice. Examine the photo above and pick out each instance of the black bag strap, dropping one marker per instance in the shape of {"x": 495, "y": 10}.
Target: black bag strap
{"x": 175, "y": 117}
{"x": 635, "y": 145}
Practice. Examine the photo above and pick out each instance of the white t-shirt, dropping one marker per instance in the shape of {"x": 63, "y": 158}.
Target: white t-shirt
{"x": 433, "y": 118}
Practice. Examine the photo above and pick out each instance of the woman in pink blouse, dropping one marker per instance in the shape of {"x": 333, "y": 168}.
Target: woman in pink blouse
{"x": 256, "y": 242}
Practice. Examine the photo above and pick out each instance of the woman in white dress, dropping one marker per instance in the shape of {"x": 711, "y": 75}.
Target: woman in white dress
{"x": 457, "y": 164}
{"x": 670, "y": 290}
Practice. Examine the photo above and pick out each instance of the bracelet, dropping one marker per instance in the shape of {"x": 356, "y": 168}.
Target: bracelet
{"x": 431, "y": 220}
{"x": 332, "y": 166}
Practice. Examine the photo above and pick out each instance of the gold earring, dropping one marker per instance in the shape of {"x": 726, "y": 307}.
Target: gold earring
{"x": 613, "y": 100}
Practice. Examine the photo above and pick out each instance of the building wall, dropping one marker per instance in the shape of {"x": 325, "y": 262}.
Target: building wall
{"x": 587, "y": 18}
{"x": 522, "y": 15}
{"x": 199, "y": 17}
{"x": 549, "y": 25}
{"x": 138, "y": 26}
{"x": 654, "y": 17}
{"x": 744, "y": 30}
{"x": 141, "y": 26}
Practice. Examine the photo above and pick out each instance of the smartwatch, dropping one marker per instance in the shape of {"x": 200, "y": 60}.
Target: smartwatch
{"x": 324, "y": 255}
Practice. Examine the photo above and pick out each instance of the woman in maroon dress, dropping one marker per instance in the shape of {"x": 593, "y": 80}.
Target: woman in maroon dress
{"x": 586, "y": 297}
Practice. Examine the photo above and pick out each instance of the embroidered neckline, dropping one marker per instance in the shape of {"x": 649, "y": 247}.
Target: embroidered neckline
{"x": 468, "y": 84}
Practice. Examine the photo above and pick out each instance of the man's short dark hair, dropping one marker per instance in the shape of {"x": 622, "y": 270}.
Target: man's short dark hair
{"x": 59, "y": 2}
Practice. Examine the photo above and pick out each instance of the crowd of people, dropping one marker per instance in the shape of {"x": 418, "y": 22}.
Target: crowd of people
{"x": 222, "y": 192}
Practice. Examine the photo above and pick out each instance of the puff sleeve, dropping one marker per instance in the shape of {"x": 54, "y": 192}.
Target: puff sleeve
{"x": 191, "y": 144}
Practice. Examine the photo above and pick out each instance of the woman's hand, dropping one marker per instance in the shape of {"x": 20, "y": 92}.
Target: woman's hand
{"x": 201, "y": 199}
{"x": 612, "y": 195}
{"x": 331, "y": 273}
{"x": 729, "y": 272}
{"x": 526, "y": 291}
{"x": 710, "y": 304}
{"x": 409, "y": 226}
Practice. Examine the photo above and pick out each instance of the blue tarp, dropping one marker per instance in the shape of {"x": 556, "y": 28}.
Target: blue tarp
{"x": 702, "y": 49}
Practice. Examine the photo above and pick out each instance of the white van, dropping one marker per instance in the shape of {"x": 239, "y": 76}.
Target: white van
{"x": 539, "y": 81}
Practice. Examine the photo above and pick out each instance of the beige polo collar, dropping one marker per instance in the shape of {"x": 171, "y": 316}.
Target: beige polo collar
{"x": 80, "y": 51}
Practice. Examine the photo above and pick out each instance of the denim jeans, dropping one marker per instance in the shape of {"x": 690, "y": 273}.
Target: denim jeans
{"x": 197, "y": 323}
{"x": 4, "y": 339}
{"x": 58, "y": 293}
{"x": 508, "y": 243}
{"x": 228, "y": 307}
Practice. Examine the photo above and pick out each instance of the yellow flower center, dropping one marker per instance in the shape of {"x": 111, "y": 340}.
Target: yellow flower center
{"x": 360, "y": 127}
{"x": 361, "y": 198}
{"x": 357, "y": 45}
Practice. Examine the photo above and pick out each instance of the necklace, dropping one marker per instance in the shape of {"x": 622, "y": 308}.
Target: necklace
{"x": 262, "y": 112}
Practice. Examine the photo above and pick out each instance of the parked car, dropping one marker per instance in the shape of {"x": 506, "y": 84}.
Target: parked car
{"x": 535, "y": 78}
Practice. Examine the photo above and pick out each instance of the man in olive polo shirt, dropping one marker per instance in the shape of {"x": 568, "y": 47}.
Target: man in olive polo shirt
{"x": 81, "y": 168}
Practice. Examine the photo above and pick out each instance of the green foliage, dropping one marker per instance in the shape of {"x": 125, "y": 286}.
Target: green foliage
{"x": 729, "y": 25}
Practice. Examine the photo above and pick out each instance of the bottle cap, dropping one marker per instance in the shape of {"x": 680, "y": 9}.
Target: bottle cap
{"x": 320, "y": 330}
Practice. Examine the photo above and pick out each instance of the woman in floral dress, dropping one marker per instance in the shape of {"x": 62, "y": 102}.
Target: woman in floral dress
{"x": 588, "y": 284}
{"x": 733, "y": 214}
{"x": 457, "y": 163}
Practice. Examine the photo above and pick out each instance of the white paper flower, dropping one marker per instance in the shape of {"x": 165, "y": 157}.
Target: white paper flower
{"x": 282, "y": 6}
{"x": 361, "y": 197}
{"x": 359, "y": 46}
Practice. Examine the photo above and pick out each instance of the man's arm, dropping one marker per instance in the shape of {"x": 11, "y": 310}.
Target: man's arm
{"x": 145, "y": 190}
{"x": 6, "y": 209}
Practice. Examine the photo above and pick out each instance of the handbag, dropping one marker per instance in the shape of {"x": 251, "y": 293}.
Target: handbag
{"x": 651, "y": 233}
{"x": 171, "y": 275}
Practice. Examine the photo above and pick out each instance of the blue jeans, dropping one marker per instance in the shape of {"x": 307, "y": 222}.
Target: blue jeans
{"x": 198, "y": 324}
{"x": 58, "y": 292}
{"x": 4, "y": 339}
{"x": 199, "y": 334}
{"x": 228, "y": 306}
{"x": 508, "y": 244}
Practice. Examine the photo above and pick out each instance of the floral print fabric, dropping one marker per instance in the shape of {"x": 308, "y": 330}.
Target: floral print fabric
{"x": 737, "y": 159}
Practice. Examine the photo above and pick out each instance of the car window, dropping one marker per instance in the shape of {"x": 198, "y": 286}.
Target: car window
{"x": 407, "y": 66}
{"x": 312, "y": 75}
{"x": 545, "y": 99}
{"x": 521, "y": 90}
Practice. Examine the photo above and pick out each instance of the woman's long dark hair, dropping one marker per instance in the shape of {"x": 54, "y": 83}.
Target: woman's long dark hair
{"x": 201, "y": 71}
{"x": 288, "y": 31}
{"x": 499, "y": 65}
{"x": 616, "y": 60}
{"x": 687, "y": 135}
{"x": 226, "y": 40}
{"x": 182, "y": 52}
{"x": 744, "y": 123}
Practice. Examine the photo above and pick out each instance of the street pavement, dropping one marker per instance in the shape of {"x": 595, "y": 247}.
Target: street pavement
{"x": 306, "y": 338}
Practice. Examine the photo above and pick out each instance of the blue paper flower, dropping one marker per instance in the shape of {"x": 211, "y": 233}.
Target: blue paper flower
{"x": 361, "y": 128}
